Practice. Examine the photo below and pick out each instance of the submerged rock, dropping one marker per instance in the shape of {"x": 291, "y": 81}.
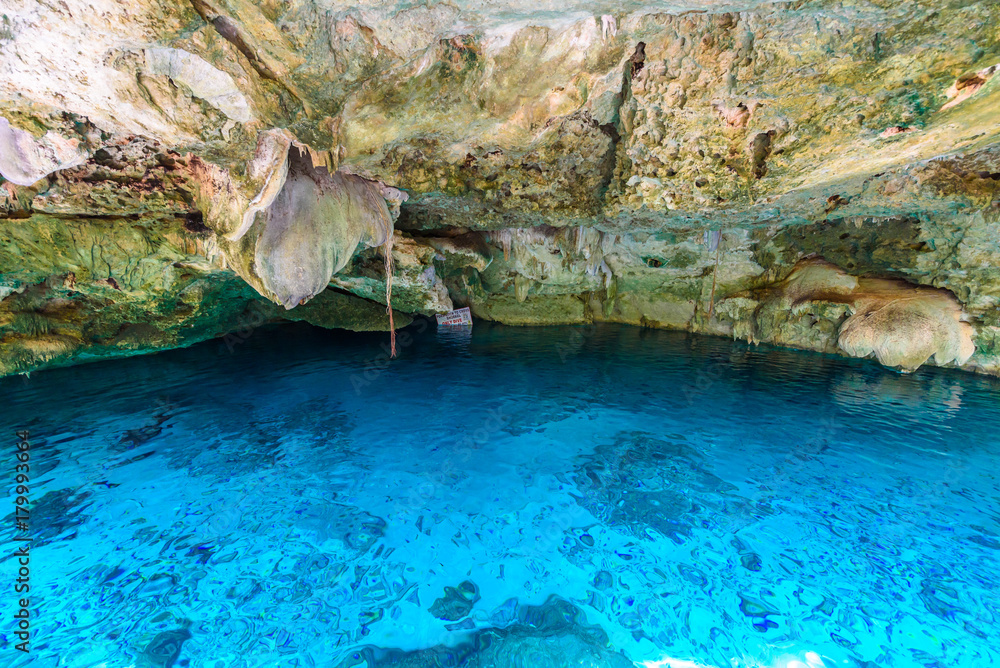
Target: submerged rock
{"x": 457, "y": 602}
{"x": 554, "y": 634}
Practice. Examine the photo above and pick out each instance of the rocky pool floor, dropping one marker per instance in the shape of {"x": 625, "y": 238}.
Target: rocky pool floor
{"x": 564, "y": 496}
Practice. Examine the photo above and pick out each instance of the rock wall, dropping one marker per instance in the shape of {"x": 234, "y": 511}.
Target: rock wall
{"x": 817, "y": 174}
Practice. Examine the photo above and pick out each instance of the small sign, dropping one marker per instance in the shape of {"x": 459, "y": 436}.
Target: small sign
{"x": 462, "y": 316}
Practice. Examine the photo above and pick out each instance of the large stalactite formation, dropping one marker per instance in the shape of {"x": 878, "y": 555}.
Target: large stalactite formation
{"x": 818, "y": 174}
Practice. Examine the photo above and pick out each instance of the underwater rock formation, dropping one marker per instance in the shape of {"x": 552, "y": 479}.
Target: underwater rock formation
{"x": 554, "y": 634}
{"x": 168, "y": 175}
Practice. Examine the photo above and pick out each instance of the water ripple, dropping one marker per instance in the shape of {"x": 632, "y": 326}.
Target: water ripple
{"x": 518, "y": 497}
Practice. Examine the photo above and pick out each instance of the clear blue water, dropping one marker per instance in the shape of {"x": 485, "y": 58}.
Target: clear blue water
{"x": 519, "y": 497}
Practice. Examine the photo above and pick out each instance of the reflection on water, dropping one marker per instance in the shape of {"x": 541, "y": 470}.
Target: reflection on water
{"x": 562, "y": 496}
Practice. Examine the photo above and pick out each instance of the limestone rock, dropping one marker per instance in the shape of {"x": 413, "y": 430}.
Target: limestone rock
{"x": 539, "y": 162}
{"x": 900, "y": 324}
{"x": 24, "y": 159}
{"x": 903, "y": 326}
{"x": 312, "y": 228}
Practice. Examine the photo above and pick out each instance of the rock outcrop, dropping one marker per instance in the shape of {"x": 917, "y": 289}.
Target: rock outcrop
{"x": 817, "y": 174}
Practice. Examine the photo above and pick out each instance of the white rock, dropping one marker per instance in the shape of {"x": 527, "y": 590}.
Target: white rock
{"x": 24, "y": 159}
{"x": 204, "y": 81}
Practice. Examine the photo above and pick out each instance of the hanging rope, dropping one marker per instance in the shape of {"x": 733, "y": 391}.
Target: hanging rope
{"x": 378, "y": 202}
{"x": 389, "y": 269}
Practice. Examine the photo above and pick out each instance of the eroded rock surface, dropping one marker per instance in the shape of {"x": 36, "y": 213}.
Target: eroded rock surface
{"x": 816, "y": 174}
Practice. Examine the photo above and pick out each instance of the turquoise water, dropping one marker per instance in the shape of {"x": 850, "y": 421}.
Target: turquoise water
{"x": 514, "y": 497}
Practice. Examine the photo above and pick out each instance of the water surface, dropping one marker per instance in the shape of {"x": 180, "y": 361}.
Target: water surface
{"x": 562, "y": 496}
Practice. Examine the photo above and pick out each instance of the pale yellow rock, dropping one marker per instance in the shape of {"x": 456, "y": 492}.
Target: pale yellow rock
{"x": 903, "y": 326}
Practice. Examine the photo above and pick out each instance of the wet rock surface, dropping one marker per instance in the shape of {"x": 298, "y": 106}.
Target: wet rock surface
{"x": 640, "y": 163}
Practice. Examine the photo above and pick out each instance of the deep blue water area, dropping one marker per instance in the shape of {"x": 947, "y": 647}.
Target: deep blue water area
{"x": 565, "y": 496}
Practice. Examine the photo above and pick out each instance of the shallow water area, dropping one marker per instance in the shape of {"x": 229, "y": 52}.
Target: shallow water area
{"x": 560, "y": 496}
